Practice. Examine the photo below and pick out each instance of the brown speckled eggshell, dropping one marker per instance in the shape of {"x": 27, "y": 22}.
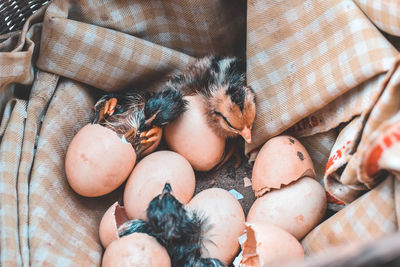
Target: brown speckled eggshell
{"x": 98, "y": 161}
{"x": 281, "y": 160}
{"x": 190, "y": 136}
{"x": 149, "y": 177}
{"x": 136, "y": 250}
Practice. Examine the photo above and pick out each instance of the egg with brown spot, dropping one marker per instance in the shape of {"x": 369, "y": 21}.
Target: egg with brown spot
{"x": 281, "y": 160}
{"x": 98, "y": 161}
{"x": 296, "y": 208}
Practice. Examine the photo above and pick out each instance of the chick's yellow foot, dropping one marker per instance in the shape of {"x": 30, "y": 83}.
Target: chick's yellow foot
{"x": 150, "y": 140}
{"x": 151, "y": 135}
{"x": 109, "y": 106}
{"x": 232, "y": 150}
{"x": 107, "y": 109}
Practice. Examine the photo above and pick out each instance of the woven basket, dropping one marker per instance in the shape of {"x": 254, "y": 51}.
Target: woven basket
{"x": 13, "y": 13}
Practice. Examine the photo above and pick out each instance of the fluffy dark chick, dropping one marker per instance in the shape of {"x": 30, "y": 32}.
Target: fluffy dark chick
{"x": 178, "y": 230}
{"x": 136, "y": 113}
{"x": 162, "y": 108}
{"x": 221, "y": 82}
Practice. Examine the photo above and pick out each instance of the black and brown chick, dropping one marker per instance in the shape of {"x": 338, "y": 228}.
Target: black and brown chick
{"x": 180, "y": 231}
{"x": 221, "y": 82}
{"x": 138, "y": 116}
{"x": 230, "y": 105}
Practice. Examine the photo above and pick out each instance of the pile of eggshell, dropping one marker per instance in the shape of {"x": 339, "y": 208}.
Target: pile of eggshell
{"x": 98, "y": 161}
{"x": 290, "y": 202}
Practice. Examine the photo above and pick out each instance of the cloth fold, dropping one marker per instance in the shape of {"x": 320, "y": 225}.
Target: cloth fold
{"x": 323, "y": 71}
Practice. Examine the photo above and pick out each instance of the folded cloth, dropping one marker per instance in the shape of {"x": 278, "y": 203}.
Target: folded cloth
{"x": 322, "y": 72}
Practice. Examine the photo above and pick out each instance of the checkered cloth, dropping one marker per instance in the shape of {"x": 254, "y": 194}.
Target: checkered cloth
{"x": 325, "y": 72}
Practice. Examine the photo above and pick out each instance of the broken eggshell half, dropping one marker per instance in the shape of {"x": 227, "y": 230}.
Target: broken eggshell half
{"x": 268, "y": 244}
{"x": 296, "y": 208}
{"x": 136, "y": 250}
{"x": 112, "y": 219}
{"x": 281, "y": 160}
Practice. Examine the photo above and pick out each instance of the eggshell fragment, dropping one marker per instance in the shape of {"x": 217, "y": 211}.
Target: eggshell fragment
{"x": 112, "y": 219}
{"x": 225, "y": 218}
{"x": 190, "y": 136}
{"x": 268, "y": 244}
{"x": 149, "y": 177}
{"x": 281, "y": 160}
{"x": 136, "y": 249}
{"x": 98, "y": 161}
{"x": 296, "y": 208}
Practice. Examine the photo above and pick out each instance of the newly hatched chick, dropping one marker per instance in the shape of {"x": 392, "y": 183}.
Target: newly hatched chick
{"x": 138, "y": 116}
{"x": 221, "y": 81}
{"x": 178, "y": 230}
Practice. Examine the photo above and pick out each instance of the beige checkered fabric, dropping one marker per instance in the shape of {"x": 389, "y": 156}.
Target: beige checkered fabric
{"x": 10, "y": 156}
{"x": 369, "y": 217}
{"x": 385, "y": 14}
{"x": 323, "y": 71}
{"x": 108, "y": 59}
{"x": 301, "y": 55}
{"x": 62, "y": 226}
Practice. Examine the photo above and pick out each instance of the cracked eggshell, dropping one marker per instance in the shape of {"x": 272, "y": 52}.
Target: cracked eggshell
{"x": 224, "y": 223}
{"x": 268, "y": 244}
{"x": 191, "y": 136}
{"x": 148, "y": 178}
{"x": 112, "y": 219}
{"x": 281, "y": 160}
{"x": 136, "y": 250}
{"x": 296, "y": 208}
{"x": 98, "y": 161}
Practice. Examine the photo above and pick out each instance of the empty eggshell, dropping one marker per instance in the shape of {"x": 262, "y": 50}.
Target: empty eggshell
{"x": 225, "y": 218}
{"x": 136, "y": 250}
{"x": 149, "y": 177}
{"x": 98, "y": 161}
{"x": 267, "y": 244}
{"x": 296, "y": 208}
{"x": 112, "y": 219}
{"x": 190, "y": 136}
{"x": 281, "y": 160}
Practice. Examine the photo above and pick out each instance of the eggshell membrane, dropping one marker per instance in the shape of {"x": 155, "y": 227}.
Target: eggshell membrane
{"x": 136, "y": 250}
{"x": 98, "y": 161}
{"x": 281, "y": 160}
{"x": 226, "y": 219}
{"x": 112, "y": 219}
{"x": 149, "y": 177}
{"x": 192, "y": 137}
{"x": 296, "y": 208}
{"x": 268, "y": 244}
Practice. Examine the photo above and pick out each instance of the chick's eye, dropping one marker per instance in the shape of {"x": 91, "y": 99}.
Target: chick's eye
{"x": 225, "y": 119}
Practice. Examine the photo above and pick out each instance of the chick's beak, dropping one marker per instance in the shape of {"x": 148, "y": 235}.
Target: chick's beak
{"x": 246, "y": 134}
{"x": 167, "y": 189}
